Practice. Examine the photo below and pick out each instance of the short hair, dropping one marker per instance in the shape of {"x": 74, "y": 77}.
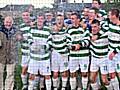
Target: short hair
{"x": 76, "y": 14}
{"x": 59, "y": 15}
{"x": 26, "y": 11}
{"x": 95, "y": 22}
{"x": 95, "y": 9}
{"x": 8, "y": 18}
{"x": 99, "y": 2}
{"x": 41, "y": 14}
{"x": 115, "y": 12}
{"x": 86, "y": 7}
{"x": 48, "y": 13}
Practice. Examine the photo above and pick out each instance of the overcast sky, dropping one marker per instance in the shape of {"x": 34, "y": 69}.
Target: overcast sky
{"x": 38, "y": 3}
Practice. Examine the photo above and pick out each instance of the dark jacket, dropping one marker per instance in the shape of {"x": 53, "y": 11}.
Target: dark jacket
{"x": 8, "y": 49}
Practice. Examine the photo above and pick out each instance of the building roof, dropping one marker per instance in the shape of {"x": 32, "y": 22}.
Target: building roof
{"x": 72, "y": 6}
{"x": 15, "y": 7}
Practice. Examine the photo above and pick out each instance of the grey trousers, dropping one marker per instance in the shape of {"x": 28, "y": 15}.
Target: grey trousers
{"x": 9, "y": 81}
{"x": 1, "y": 76}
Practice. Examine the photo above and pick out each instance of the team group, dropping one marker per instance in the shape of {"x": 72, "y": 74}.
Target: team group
{"x": 85, "y": 44}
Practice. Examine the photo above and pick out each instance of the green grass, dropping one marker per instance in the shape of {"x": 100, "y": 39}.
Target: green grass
{"x": 18, "y": 81}
{"x": 18, "y": 68}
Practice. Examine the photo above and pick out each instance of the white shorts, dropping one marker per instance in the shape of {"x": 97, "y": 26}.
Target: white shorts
{"x": 111, "y": 64}
{"x": 25, "y": 61}
{"x": 75, "y": 63}
{"x": 43, "y": 67}
{"x": 59, "y": 62}
{"x": 84, "y": 64}
{"x": 101, "y": 63}
{"x": 117, "y": 63}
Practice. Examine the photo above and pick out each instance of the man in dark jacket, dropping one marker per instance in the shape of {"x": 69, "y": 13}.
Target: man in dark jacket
{"x": 8, "y": 52}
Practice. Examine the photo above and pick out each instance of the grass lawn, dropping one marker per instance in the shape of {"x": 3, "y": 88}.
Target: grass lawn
{"x": 18, "y": 81}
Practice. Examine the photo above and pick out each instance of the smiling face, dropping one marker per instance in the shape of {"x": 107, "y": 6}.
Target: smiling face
{"x": 92, "y": 14}
{"x": 40, "y": 21}
{"x": 48, "y": 16}
{"x": 113, "y": 15}
{"x": 75, "y": 20}
{"x": 95, "y": 28}
{"x": 96, "y": 4}
{"x": 26, "y": 17}
{"x": 8, "y": 22}
{"x": 60, "y": 21}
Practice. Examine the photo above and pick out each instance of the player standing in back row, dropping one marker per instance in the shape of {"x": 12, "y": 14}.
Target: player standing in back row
{"x": 80, "y": 38}
{"x": 114, "y": 47}
{"x": 59, "y": 41}
{"x": 25, "y": 30}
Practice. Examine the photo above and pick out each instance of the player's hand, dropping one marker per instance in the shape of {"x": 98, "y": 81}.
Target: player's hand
{"x": 19, "y": 37}
{"x": 77, "y": 47}
{"x": 111, "y": 55}
{"x": 94, "y": 37}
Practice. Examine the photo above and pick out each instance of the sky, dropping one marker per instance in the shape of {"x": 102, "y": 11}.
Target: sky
{"x": 38, "y": 3}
